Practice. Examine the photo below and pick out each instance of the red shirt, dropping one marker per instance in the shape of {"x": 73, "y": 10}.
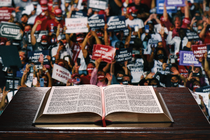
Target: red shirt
{"x": 41, "y": 18}
{"x": 85, "y": 79}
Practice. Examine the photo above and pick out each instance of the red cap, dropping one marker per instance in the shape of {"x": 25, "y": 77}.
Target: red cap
{"x": 43, "y": 2}
{"x": 132, "y": 9}
{"x": 185, "y": 22}
{"x": 57, "y": 11}
{"x": 44, "y": 37}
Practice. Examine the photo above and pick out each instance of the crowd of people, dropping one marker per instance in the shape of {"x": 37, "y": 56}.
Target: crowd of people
{"x": 155, "y": 39}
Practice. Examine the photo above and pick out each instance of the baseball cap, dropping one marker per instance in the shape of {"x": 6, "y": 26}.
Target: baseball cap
{"x": 185, "y": 22}
{"x": 57, "y": 11}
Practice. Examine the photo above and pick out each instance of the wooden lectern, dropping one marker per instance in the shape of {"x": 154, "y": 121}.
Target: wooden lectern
{"x": 189, "y": 121}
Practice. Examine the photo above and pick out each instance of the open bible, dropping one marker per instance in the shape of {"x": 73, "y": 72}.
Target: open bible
{"x": 114, "y": 105}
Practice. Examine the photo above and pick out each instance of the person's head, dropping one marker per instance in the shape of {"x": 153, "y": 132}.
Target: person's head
{"x": 126, "y": 80}
{"x": 160, "y": 54}
{"x": 182, "y": 33}
{"x": 90, "y": 68}
{"x": 132, "y": 12}
{"x": 27, "y": 28}
{"x": 58, "y": 14}
{"x": 45, "y": 80}
{"x": 151, "y": 26}
{"x": 196, "y": 85}
{"x": 119, "y": 77}
{"x": 80, "y": 37}
{"x": 44, "y": 7}
{"x": 137, "y": 2}
{"x": 175, "y": 79}
{"x": 160, "y": 44}
{"x": 101, "y": 76}
{"x": 76, "y": 79}
{"x": 177, "y": 21}
{"x": 22, "y": 57}
{"x": 24, "y": 18}
{"x": 199, "y": 29}
{"x": 186, "y": 23}
{"x": 44, "y": 41}
{"x": 154, "y": 82}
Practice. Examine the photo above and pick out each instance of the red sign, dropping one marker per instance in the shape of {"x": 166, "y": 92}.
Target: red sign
{"x": 106, "y": 53}
{"x": 5, "y": 14}
{"x": 199, "y": 50}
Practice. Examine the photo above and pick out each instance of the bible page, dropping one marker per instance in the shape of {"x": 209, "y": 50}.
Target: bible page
{"x": 74, "y": 99}
{"x": 138, "y": 99}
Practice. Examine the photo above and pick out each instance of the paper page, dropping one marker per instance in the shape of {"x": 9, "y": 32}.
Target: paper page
{"x": 74, "y": 99}
{"x": 138, "y": 99}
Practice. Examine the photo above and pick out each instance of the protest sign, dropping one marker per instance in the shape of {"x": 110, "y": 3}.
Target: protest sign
{"x": 76, "y": 25}
{"x": 197, "y": 1}
{"x": 203, "y": 89}
{"x": 10, "y": 30}
{"x": 116, "y": 23}
{"x": 5, "y": 14}
{"x": 5, "y": 3}
{"x": 61, "y": 74}
{"x": 191, "y": 35}
{"x": 106, "y": 53}
{"x": 98, "y": 4}
{"x": 175, "y": 2}
{"x": 78, "y": 14}
{"x": 34, "y": 56}
{"x": 208, "y": 52}
{"x": 96, "y": 21}
{"x": 199, "y": 50}
{"x": 187, "y": 58}
{"x": 160, "y": 7}
{"x": 124, "y": 54}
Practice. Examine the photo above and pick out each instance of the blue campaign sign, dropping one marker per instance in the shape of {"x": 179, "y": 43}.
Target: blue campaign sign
{"x": 78, "y": 14}
{"x": 187, "y": 58}
{"x": 203, "y": 89}
{"x": 35, "y": 55}
{"x": 116, "y": 23}
{"x": 96, "y": 21}
{"x": 160, "y": 7}
{"x": 175, "y": 2}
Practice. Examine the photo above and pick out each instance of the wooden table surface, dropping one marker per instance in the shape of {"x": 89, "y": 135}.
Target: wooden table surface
{"x": 189, "y": 121}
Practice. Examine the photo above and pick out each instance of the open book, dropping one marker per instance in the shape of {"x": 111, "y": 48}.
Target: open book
{"x": 114, "y": 105}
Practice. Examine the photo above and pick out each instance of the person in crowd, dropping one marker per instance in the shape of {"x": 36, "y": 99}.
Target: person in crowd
{"x": 3, "y": 102}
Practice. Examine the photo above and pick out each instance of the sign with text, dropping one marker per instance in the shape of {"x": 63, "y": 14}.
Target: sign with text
{"x": 123, "y": 55}
{"x": 187, "y": 58}
{"x": 199, "y": 50}
{"x": 191, "y": 35}
{"x": 10, "y": 30}
{"x": 116, "y": 23}
{"x": 106, "y": 53}
{"x": 5, "y": 14}
{"x": 96, "y": 21}
{"x": 98, "y": 4}
{"x": 78, "y": 14}
{"x": 5, "y": 3}
{"x": 175, "y": 2}
{"x": 160, "y": 7}
{"x": 76, "y": 25}
{"x": 61, "y": 74}
{"x": 34, "y": 56}
{"x": 203, "y": 89}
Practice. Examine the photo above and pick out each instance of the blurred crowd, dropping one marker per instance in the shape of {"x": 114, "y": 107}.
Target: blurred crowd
{"x": 155, "y": 39}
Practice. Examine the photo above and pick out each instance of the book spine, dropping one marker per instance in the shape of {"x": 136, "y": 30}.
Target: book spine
{"x": 103, "y": 106}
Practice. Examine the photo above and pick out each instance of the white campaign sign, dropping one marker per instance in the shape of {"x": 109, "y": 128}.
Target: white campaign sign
{"x": 76, "y": 25}
{"x": 60, "y": 73}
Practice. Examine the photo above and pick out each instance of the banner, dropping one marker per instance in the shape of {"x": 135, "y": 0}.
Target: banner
{"x": 160, "y": 7}
{"x": 96, "y": 21}
{"x": 106, "y": 53}
{"x": 124, "y": 54}
{"x": 10, "y": 30}
{"x": 175, "y": 2}
{"x": 5, "y": 14}
{"x": 76, "y": 25}
{"x": 61, "y": 74}
{"x": 98, "y": 4}
{"x": 203, "y": 89}
{"x": 116, "y": 23}
{"x": 5, "y": 3}
{"x": 191, "y": 35}
{"x": 78, "y": 14}
{"x": 208, "y": 52}
{"x": 34, "y": 56}
{"x": 187, "y": 58}
{"x": 199, "y": 50}
{"x": 38, "y": 35}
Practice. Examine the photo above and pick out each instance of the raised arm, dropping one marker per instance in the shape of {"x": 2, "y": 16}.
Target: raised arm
{"x": 33, "y": 38}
